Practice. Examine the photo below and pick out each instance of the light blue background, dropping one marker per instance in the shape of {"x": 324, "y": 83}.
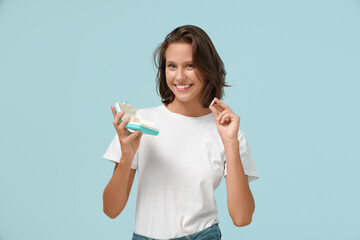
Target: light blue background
{"x": 294, "y": 67}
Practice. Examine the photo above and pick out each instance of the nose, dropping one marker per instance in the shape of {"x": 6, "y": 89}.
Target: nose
{"x": 180, "y": 75}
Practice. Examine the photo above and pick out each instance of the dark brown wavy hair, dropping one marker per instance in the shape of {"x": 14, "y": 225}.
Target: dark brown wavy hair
{"x": 205, "y": 58}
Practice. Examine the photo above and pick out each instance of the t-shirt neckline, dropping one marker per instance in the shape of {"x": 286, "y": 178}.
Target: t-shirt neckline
{"x": 164, "y": 109}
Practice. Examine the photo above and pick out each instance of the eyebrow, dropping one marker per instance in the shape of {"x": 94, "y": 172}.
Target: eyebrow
{"x": 186, "y": 62}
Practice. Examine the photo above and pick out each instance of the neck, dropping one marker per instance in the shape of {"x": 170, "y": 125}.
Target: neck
{"x": 188, "y": 109}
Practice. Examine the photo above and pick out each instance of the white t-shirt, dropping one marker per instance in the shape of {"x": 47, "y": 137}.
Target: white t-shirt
{"x": 178, "y": 172}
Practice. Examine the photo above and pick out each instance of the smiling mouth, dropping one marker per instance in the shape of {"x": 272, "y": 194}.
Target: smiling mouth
{"x": 183, "y": 86}
{"x": 176, "y": 85}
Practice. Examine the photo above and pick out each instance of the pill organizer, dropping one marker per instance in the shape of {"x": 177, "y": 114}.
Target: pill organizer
{"x": 136, "y": 122}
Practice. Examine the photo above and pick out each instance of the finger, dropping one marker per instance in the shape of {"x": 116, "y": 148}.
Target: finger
{"x": 134, "y": 135}
{"x": 214, "y": 111}
{"x": 217, "y": 106}
{"x": 221, "y": 115}
{"x": 221, "y": 104}
{"x": 225, "y": 118}
{"x": 117, "y": 117}
{"x": 126, "y": 131}
{"x": 123, "y": 123}
{"x": 122, "y": 127}
{"x": 113, "y": 111}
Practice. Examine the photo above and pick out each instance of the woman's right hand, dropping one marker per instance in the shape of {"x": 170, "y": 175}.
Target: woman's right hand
{"x": 129, "y": 141}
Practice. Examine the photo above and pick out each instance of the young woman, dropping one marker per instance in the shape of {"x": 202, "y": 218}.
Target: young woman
{"x": 199, "y": 142}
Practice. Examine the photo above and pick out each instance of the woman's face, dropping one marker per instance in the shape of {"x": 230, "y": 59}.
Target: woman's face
{"x": 182, "y": 76}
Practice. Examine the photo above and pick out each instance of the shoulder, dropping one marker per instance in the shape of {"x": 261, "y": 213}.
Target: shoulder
{"x": 149, "y": 111}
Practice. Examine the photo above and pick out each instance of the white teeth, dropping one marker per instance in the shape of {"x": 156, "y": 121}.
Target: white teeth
{"x": 183, "y": 86}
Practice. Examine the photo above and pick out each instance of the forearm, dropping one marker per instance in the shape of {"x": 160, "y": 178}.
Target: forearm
{"x": 116, "y": 192}
{"x": 240, "y": 201}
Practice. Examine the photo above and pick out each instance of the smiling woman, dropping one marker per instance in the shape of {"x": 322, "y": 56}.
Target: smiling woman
{"x": 179, "y": 170}
{"x": 193, "y": 50}
{"x": 183, "y": 79}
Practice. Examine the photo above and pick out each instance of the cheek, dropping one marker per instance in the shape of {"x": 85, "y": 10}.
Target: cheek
{"x": 168, "y": 79}
{"x": 198, "y": 75}
{"x": 169, "y": 75}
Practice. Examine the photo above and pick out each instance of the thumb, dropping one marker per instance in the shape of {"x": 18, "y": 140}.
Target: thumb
{"x": 134, "y": 135}
{"x": 214, "y": 111}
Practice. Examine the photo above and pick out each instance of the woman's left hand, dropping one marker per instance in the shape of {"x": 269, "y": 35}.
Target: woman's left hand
{"x": 226, "y": 120}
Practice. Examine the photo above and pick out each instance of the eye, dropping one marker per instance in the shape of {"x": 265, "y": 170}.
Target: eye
{"x": 171, "y": 66}
{"x": 190, "y": 66}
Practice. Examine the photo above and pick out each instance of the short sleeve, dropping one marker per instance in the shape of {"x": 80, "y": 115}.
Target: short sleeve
{"x": 246, "y": 158}
{"x": 113, "y": 153}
